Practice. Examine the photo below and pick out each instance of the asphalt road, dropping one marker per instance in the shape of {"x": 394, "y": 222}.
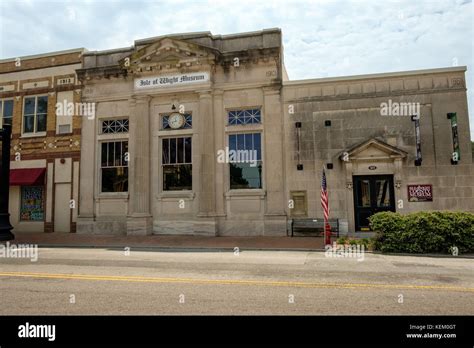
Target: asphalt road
{"x": 104, "y": 281}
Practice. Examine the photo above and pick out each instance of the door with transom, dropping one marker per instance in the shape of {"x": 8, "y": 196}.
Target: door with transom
{"x": 372, "y": 194}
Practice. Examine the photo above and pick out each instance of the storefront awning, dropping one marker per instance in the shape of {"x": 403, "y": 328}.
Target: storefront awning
{"x": 27, "y": 176}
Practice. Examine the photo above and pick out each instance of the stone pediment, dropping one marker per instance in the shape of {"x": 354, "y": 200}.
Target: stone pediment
{"x": 168, "y": 53}
{"x": 372, "y": 150}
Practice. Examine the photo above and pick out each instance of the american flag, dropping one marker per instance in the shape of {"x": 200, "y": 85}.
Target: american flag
{"x": 324, "y": 198}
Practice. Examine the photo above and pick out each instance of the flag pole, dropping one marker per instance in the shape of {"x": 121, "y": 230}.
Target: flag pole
{"x": 325, "y": 205}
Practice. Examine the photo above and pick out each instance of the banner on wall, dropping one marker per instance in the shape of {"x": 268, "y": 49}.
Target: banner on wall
{"x": 456, "y": 155}
{"x": 418, "y": 159}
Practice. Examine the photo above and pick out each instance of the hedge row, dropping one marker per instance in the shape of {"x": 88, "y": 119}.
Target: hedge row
{"x": 423, "y": 232}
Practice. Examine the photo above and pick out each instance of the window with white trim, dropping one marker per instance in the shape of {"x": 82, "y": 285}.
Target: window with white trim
{"x": 35, "y": 111}
{"x": 6, "y": 112}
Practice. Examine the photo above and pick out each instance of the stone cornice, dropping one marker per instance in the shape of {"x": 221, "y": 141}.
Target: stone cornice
{"x": 84, "y": 74}
{"x": 372, "y": 95}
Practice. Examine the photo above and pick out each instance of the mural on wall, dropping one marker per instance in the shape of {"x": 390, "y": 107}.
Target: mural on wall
{"x": 32, "y": 203}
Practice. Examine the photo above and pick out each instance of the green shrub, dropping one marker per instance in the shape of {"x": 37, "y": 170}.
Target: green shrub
{"x": 342, "y": 240}
{"x": 345, "y": 240}
{"x": 365, "y": 242}
{"x": 423, "y": 232}
{"x": 353, "y": 242}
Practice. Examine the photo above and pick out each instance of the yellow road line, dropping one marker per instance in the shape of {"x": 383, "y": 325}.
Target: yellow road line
{"x": 232, "y": 282}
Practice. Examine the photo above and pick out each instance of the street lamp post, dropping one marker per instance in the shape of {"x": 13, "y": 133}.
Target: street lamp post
{"x": 5, "y": 226}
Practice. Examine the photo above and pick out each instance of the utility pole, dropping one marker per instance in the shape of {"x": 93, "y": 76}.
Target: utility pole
{"x": 5, "y": 226}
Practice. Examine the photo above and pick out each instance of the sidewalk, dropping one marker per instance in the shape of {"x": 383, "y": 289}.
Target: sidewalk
{"x": 57, "y": 239}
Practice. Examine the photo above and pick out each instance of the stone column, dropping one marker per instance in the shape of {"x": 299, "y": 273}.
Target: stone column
{"x": 139, "y": 219}
{"x": 207, "y": 159}
{"x": 275, "y": 216}
{"x": 220, "y": 142}
{"x": 87, "y": 178}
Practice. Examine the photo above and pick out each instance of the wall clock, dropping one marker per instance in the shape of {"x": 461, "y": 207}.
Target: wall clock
{"x": 176, "y": 120}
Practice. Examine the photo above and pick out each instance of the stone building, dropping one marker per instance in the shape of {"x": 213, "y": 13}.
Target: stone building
{"x": 44, "y": 175}
{"x": 363, "y": 127}
{"x": 203, "y": 134}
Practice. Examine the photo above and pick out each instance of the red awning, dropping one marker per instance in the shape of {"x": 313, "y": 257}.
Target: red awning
{"x": 27, "y": 176}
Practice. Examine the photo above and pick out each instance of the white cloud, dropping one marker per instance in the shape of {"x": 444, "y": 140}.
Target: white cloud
{"x": 321, "y": 38}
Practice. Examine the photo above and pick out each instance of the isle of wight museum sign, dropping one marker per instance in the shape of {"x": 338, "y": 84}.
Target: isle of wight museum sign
{"x": 420, "y": 193}
{"x": 171, "y": 80}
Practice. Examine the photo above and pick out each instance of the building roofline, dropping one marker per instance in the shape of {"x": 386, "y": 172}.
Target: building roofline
{"x": 188, "y": 35}
{"x": 376, "y": 76}
{"x": 110, "y": 51}
{"x": 197, "y": 34}
{"x": 48, "y": 54}
{"x": 182, "y": 36}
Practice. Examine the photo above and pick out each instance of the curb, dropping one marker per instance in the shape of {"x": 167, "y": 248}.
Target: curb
{"x": 173, "y": 248}
{"x": 227, "y": 249}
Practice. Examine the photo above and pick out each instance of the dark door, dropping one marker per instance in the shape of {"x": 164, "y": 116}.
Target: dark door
{"x": 372, "y": 194}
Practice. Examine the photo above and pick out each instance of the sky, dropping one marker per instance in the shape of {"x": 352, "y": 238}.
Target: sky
{"x": 321, "y": 38}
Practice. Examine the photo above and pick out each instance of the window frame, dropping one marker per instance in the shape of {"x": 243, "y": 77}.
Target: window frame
{"x": 162, "y": 164}
{"x": 100, "y": 167}
{"x": 35, "y": 116}
{"x": 2, "y": 110}
{"x": 101, "y": 122}
{"x": 261, "y": 161}
{"x": 186, "y": 115}
{"x": 229, "y": 110}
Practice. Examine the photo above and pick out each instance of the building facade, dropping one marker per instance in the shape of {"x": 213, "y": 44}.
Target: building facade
{"x": 175, "y": 114}
{"x": 382, "y": 157}
{"x": 44, "y": 175}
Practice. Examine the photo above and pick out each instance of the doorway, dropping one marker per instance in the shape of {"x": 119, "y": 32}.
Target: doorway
{"x": 62, "y": 211}
{"x": 372, "y": 194}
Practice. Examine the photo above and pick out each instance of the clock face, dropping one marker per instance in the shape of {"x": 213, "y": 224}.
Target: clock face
{"x": 176, "y": 120}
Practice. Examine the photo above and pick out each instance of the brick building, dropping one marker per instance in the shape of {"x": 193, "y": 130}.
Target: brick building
{"x": 45, "y": 153}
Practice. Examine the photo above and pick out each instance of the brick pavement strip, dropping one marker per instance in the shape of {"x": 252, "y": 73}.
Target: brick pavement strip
{"x": 166, "y": 241}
